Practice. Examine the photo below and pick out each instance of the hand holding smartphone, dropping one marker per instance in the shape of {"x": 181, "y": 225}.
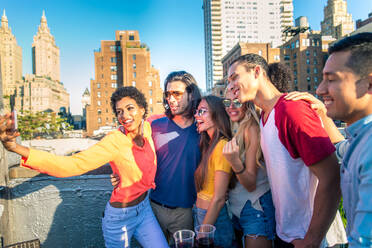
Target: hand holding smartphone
{"x": 14, "y": 121}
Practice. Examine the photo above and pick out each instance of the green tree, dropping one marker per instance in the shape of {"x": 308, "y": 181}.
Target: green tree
{"x": 41, "y": 124}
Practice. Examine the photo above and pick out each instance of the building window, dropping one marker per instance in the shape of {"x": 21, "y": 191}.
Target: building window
{"x": 134, "y": 74}
{"x": 112, "y": 48}
{"x": 99, "y": 111}
{"x": 99, "y": 103}
{"x": 131, "y": 37}
{"x": 114, "y": 77}
{"x": 292, "y": 45}
{"x": 134, "y": 83}
{"x": 113, "y": 68}
{"x": 99, "y": 120}
{"x": 315, "y": 79}
{"x": 308, "y": 61}
{"x": 309, "y": 87}
{"x": 295, "y": 65}
{"x": 113, "y": 60}
{"x": 315, "y": 62}
{"x": 114, "y": 85}
{"x": 315, "y": 54}
{"x": 308, "y": 69}
{"x": 98, "y": 94}
{"x": 287, "y": 57}
{"x": 134, "y": 57}
{"x": 277, "y": 57}
{"x": 150, "y": 101}
{"x": 315, "y": 70}
{"x": 260, "y": 52}
{"x": 294, "y": 55}
{"x": 150, "y": 92}
{"x": 307, "y": 52}
{"x": 295, "y": 72}
{"x": 308, "y": 79}
{"x": 134, "y": 65}
{"x": 98, "y": 86}
{"x": 150, "y": 83}
{"x": 297, "y": 43}
{"x": 295, "y": 81}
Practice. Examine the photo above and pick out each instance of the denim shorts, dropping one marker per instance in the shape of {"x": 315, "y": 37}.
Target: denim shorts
{"x": 224, "y": 230}
{"x": 255, "y": 223}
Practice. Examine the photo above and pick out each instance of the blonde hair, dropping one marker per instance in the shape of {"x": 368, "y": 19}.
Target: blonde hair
{"x": 250, "y": 118}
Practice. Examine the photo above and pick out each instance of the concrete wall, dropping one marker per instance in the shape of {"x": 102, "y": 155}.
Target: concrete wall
{"x": 60, "y": 212}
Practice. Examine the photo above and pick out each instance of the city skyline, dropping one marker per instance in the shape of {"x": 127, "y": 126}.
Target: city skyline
{"x": 174, "y": 31}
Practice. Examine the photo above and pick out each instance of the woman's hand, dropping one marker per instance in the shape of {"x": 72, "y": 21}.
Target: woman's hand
{"x": 115, "y": 180}
{"x": 231, "y": 151}
{"x": 315, "y": 103}
{"x": 7, "y": 133}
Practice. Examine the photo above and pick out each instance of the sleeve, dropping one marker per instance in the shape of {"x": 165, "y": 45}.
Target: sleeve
{"x": 361, "y": 229}
{"x": 341, "y": 148}
{"x": 301, "y": 132}
{"x": 220, "y": 162}
{"x": 77, "y": 164}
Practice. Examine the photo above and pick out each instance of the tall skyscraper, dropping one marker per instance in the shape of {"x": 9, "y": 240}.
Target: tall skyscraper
{"x": 337, "y": 22}
{"x": 11, "y": 58}
{"x": 252, "y": 21}
{"x": 124, "y": 61}
{"x": 45, "y": 53}
{"x": 42, "y": 90}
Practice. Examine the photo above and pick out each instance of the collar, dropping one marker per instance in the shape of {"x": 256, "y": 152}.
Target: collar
{"x": 354, "y": 129}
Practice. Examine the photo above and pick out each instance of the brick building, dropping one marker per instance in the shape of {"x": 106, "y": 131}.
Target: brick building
{"x": 264, "y": 49}
{"x": 124, "y": 61}
{"x": 305, "y": 54}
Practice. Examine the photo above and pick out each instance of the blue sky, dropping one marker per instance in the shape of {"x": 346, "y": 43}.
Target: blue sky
{"x": 173, "y": 29}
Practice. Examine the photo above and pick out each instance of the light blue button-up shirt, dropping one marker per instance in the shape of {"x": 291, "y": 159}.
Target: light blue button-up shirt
{"x": 356, "y": 181}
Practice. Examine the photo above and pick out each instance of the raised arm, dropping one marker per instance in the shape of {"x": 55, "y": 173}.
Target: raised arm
{"x": 247, "y": 172}
{"x": 321, "y": 110}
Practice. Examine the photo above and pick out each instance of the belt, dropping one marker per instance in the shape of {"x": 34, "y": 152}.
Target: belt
{"x": 163, "y": 205}
{"x": 129, "y": 204}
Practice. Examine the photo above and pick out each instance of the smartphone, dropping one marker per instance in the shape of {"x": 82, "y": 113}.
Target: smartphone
{"x": 14, "y": 121}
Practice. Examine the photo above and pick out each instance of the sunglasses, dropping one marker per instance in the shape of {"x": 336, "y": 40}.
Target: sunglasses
{"x": 175, "y": 94}
{"x": 200, "y": 112}
{"x": 236, "y": 104}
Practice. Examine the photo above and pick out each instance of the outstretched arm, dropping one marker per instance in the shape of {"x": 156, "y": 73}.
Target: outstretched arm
{"x": 321, "y": 110}
{"x": 59, "y": 166}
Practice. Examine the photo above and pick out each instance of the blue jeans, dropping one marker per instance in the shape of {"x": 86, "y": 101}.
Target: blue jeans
{"x": 224, "y": 231}
{"x": 120, "y": 224}
{"x": 257, "y": 223}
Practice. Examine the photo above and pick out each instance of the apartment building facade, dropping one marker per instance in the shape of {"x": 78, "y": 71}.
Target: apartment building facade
{"x": 124, "y": 61}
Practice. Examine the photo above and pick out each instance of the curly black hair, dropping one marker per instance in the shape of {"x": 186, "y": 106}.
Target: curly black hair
{"x": 132, "y": 92}
{"x": 281, "y": 76}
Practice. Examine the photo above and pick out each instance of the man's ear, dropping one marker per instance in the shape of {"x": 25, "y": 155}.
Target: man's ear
{"x": 257, "y": 71}
{"x": 369, "y": 78}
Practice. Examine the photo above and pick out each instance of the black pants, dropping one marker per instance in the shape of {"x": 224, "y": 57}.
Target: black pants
{"x": 278, "y": 243}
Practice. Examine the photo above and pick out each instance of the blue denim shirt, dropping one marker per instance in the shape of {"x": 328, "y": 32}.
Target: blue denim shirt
{"x": 356, "y": 181}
